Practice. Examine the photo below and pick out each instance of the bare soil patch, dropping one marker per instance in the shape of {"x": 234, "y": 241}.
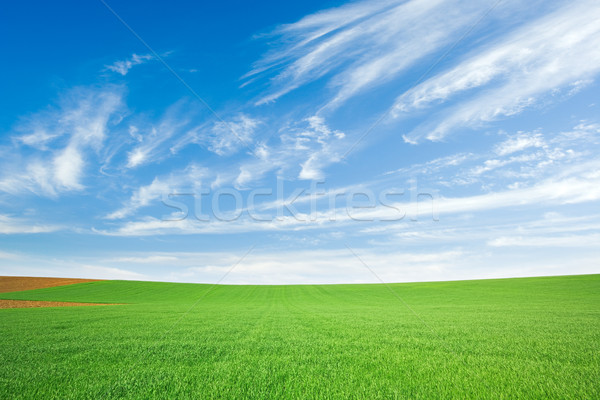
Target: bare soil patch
{"x": 34, "y": 304}
{"x": 19, "y": 283}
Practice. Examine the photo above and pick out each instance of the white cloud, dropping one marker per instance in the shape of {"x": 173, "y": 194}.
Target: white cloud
{"x": 338, "y": 266}
{"x": 310, "y": 145}
{"x": 8, "y": 256}
{"x": 141, "y": 198}
{"x": 553, "y": 52}
{"x": 222, "y": 137}
{"x": 152, "y": 259}
{"x": 38, "y": 138}
{"x": 494, "y": 164}
{"x": 319, "y": 132}
{"x": 68, "y": 166}
{"x": 561, "y": 190}
{"x": 529, "y": 170}
{"x": 68, "y": 136}
{"x": 552, "y": 192}
{"x": 586, "y": 132}
{"x": 11, "y": 225}
{"x": 151, "y": 138}
{"x": 189, "y": 178}
{"x": 122, "y": 67}
{"x": 362, "y": 44}
{"x": 226, "y": 137}
{"x": 103, "y": 272}
{"x": 434, "y": 166}
{"x": 519, "y": 160}
{"x": 547, "y": 241}
{"x": 151, "y": 226}
{"x": 478, "y": 229}
{"x": 520, "y": 142}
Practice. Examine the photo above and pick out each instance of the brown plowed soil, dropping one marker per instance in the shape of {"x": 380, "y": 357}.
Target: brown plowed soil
{"x": 32, "y": 304}
{"x": 18, "y": 283}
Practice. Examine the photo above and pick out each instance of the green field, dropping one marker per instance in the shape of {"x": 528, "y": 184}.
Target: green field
{"x": 506, "y": 338}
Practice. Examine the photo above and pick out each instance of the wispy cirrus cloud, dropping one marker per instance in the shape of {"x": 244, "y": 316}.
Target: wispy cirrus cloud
{"x": 223, "y": 137}
{"x": 151, "y": 137}
{"x": 227, "y": 137}
{"x": 517, "y": 160}
{"x": 10, "y": 225}
{"x": 52, "y": 148}
{"x": 303, "y": 148}
{"x": 361, "y": 45}
{"x": 521, "y": 141}
{"x": 556, "y": 51}
{"x": 123, "y": 66}
{"x": 547, "y": 241}
{"x": 567, "y": 190}
{"x": 189, "y": 178}
{"x": 524, "y": 170}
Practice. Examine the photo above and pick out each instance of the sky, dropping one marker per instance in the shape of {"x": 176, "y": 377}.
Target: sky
{"x": 300, "y": 142}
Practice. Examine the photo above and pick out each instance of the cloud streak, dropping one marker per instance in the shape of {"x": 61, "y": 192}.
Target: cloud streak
{"x": 556, "y": 51}
{"x": 74, "y": 131}
{"x": 10, "y": 225}
{"x": 190, "y": 178}
{"x": 361, "y": 45}
{"x": 122, "y": 67}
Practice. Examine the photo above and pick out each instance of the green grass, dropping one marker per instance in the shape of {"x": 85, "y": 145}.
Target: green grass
{"x": 511, "y": 338}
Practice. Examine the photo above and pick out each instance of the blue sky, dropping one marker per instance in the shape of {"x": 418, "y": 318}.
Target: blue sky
{"x": 429, "y": 140}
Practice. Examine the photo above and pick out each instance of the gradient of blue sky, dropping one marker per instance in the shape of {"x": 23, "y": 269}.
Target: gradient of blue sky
{"x": 490, "y": 106}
